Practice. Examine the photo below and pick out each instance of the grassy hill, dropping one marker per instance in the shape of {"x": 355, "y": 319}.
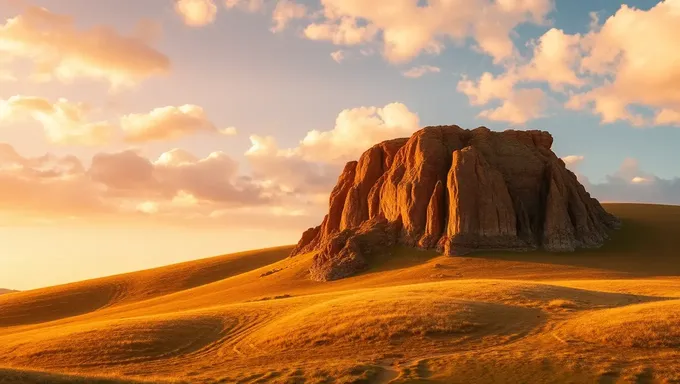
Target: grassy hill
{"x": 602, "y": 315}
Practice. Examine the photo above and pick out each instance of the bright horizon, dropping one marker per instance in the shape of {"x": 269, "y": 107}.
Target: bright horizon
{"x": 165, "y": 131}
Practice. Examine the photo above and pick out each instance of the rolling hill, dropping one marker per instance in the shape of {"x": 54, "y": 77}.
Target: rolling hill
{"x": 602, "y": 315}
{"x": 4, "y": 291}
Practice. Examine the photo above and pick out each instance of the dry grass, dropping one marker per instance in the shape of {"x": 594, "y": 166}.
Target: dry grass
{"x": 561, "y": 304}
{"x": 651, "y": 325}
{"x": 24, "y": 376}
{"x": 79, "y": 298}
{"x": 390, "y": 317}
{"x": 113, "y": 342}
{"x": 255, "y": 317}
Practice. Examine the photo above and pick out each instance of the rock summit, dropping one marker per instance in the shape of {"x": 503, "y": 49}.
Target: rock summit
{"x": 456, "y": 191}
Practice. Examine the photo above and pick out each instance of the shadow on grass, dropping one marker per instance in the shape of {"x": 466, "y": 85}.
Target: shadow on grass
{"x": 399, "y": 258}
{"x": 15, "y": 376}
{"x": 648, "y": 244}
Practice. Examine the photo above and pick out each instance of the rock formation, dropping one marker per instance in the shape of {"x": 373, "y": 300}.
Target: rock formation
{"x": 456, "y": 191}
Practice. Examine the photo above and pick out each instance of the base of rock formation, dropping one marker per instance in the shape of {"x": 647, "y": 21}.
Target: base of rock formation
{"x": 348, "y": 251}
{"x": 457, "y": 191}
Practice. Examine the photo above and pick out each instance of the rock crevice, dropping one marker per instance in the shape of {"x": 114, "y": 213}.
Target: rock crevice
{"x": 456, "y": 191}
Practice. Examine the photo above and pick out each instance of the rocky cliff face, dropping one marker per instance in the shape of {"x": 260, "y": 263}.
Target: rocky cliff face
{"x": 456, "y": 191}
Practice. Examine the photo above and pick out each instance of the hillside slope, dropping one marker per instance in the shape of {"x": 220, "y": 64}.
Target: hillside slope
{"x": 67, "y": 300}
{"x": 411, "y": 317}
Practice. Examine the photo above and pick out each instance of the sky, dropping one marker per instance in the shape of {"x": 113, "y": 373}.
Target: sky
{"x": 136, "y": 134}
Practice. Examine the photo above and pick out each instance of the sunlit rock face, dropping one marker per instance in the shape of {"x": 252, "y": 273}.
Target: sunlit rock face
{"x": 457, "y": 191}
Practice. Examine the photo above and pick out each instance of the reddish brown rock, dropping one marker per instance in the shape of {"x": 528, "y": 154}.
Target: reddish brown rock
{"x": 314, "y": 237}
{"x": 338, "y": 199}
{"x": 481, "y": 211}
{"x": 418, "y": 166}
{"x": 371, "y": 167}
{"x": 436, "y": 216}
{"x": 374, "y": 197}
{"x": 457, "y": 190}
{"x": 347, "y": 252}
{"x": 309, "y": 241}
{"x": 573, "y": 219}
{"x": 540, "y": 139}
{"x": 351, "y": 201}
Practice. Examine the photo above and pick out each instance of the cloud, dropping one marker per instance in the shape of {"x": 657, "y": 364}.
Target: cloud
{"x": 45, "y": 185}
{"x": 126, "y": 170}
{"x": 284, "y": 186}
{"x": 407, "y": 28}
{"x": 610, "y": 108}
{"x": 168, "y": 123}
{"x": 214, "y": 178}
{"x": 314, "y": 165}
{"x": 611, "y": 70}
{"x": 199, "y": 13}
{"x": 119, "y": 185}
{"x": 196, "y": 13}
{"x": 635, "y": 52}
{"x": 338, "y": 56}
{"x": 62, "y": 51}
{"x": 175, "y": 175}
{"x": 555, "y": 59}
{"x": 285, "y": 11}
{"x": 668, "y": 117}
{"x": 64, "y": 122}
{"x": 67, "y": 122}
{"x": 522, "y": 105}
{"x": 518, "y": 105}
{"x": 345, "y": 31}
{"x": 356, "y": 130}
{"x": 627, "y": 62}
{"x": 488, "y": 87}
{"x": 246, "y": 5}
{"x": 628, "y": 184}
{"x": 630, "y": 172}
{"x": 420, "y": 71}
{"x": 287, "y": 169}
{"x": 631, "y": 184}
{"x": 572, "y": 161}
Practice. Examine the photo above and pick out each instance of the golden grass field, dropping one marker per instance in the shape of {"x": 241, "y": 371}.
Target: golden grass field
{"x": 602, "y": 316}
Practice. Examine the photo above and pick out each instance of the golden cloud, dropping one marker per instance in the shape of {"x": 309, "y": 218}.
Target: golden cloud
{"x": 64, "y": 122}
{"x": 168, "y": 123}
{"x": 196, "y": 13}
{"x": 62, "y": 51}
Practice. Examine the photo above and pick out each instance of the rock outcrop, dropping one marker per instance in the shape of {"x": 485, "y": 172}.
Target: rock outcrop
{"x": 456, "y": 191}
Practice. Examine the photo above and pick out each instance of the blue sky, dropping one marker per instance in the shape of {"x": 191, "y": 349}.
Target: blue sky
{"x": 278, "y": 86}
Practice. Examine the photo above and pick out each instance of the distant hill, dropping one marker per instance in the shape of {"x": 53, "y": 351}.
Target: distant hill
{"x": 3, "y": 291}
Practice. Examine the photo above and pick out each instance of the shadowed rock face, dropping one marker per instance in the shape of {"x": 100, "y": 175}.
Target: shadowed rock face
{"x": 456, "y": 191}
